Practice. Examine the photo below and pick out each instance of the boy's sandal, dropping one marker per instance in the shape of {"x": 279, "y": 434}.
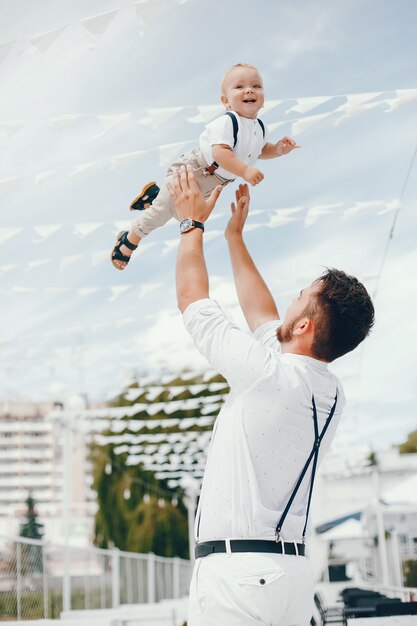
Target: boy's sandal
{"x": 146, "y": 196}
{"x": 116, "y": 255}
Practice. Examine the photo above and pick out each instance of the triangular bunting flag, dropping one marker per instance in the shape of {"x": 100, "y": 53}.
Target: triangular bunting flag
{"x": 5, "y": 49}
{"x": 304, "y": 105}
{"x": 117, "y": 291}
{"x": 403, "y": 97}
{"x": 121, "y": 160}
{"x": 361, "y": 206}
{"x": 272, "y": 127}
{"x": 109, "y": 122}
{"x": 7, "y": 183}
{"x": 147, "y": 11}
{"x": 168, "y": 151}
{"x": 47, "y": 230}
{"x": 39, "y": 263}
{"x": 157, "y": 117}
{"x": 62, "y": 121}
{"x": 147, "y": 288}
{"x": 80, "y": 170}
{"x": 87, "y": 291}
{"x": 206, "y": 113}
{"x": 8, "y": 129}
{"x": 268, "y": 106}
{"x": 301, "y": 125}
{"x": 44, "y": 40}
{"x": 315, "y": 212}
{"x": 67, "y": 261}
{"x": 394, "y": 205}
{"x": 8, "y": 233}
{"x": 276, "y": 221}
{"x": 39, "y": 178}
{"x": 86, "y": 228}
{"x": 98, "y": 24}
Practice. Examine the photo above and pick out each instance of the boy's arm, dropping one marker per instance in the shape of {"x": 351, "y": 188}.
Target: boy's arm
{"x": 273, "y": 150}
{"x": 223, "y": 155}
{"x": 255, "y": 299}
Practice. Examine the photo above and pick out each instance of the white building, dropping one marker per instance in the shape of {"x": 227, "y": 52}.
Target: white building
{"x": 32, "y": 454}
{"x": 386, "y": 503}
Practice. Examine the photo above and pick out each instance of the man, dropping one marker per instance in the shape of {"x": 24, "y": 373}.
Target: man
{"x": 279, "y": 418}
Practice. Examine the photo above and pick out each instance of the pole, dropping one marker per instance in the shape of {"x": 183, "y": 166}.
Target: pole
{"x": 382, "y": 544}
{"x": 66, "y": 494}
{"x": 396, "y": 558}
{"x": 191, "y": 503}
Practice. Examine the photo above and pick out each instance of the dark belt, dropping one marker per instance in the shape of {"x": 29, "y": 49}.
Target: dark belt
{"x": 249, "y": 545}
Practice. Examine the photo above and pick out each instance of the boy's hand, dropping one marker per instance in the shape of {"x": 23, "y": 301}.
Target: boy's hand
{"x": 187, "y": 196}
{"x": 285, "y": 146}
{"x": 252, "y": 175}
{"x": 239, "y": 212}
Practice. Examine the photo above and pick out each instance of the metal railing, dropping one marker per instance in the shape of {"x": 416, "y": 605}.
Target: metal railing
{"x": 39, "y": 580}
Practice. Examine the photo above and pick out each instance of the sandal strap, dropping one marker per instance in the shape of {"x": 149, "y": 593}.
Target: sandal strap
{"x": 118, "y": 256}
{"x": 125, "y": 242}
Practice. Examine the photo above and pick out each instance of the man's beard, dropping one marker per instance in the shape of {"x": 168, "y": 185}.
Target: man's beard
{"x": 285, "y": 332}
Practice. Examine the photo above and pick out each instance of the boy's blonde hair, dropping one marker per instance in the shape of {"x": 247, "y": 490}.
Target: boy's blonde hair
{"x": 226, "y": 74}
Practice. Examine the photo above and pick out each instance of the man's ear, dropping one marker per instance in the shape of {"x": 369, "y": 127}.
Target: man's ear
{"x": 303, "y": 326}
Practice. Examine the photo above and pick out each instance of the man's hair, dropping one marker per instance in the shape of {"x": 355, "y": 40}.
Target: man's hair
{"x": 227, "y": 72}
{"x": 342, "y": 313}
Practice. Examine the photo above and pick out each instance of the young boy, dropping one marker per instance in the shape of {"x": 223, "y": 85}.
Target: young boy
{"x": 229, "y": 147}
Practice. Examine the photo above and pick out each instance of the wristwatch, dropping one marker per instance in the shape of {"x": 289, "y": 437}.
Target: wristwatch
{"x": 189, "y": 224}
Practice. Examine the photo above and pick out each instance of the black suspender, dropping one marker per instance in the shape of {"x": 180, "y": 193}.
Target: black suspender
{"x": 313, "y": 456}
{"x": 213, "y": 167}
{"x": 236, "y": 128}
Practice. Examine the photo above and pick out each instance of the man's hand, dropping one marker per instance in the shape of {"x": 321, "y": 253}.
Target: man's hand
{"x": 239, "y": 212}
{"x": 252, "y": 175}
{"x": 285, "y": 146}
{"x": 187, "y": 196}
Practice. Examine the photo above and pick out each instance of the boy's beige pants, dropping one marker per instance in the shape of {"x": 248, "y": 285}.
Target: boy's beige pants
{"x": 162, "y": 209}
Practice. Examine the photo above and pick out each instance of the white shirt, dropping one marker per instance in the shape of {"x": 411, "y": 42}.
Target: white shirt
{"x": 250, "y": 140}
{"x": 264, "y": 432}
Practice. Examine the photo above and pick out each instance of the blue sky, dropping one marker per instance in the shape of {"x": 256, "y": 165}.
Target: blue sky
{"x": 65, "y": 323}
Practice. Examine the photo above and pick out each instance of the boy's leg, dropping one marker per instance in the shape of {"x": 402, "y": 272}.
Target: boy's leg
{"x": 162, "y": 208}
{"x": 157, "y": 214}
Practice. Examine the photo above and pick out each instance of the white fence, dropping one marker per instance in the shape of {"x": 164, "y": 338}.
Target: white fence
{"x": 39, "y": 580}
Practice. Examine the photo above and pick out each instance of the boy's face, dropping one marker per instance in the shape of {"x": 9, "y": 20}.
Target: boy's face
{"x": 243, "y": 91}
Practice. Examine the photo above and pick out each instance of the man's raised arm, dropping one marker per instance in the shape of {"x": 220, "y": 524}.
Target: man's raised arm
{"x": 255, "y": 299}
{"x": 191, "y": 275}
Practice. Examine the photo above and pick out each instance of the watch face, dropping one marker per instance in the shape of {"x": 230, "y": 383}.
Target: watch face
{"x": 186, "y": 224}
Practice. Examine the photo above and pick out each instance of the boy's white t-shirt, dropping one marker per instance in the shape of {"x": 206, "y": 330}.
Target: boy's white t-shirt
{"x": 250, "y": 140}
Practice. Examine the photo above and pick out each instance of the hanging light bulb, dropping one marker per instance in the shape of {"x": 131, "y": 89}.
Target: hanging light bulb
{"x": 108, "y": 468}
{"x": 161, "y": 503}
{"x": 174, "y": 501}
{"x": 126, "y": 493}
{"x": 146, "y": 498}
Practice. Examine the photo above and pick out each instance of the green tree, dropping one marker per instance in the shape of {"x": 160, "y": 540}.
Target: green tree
{"x": 31, "y": 555}
{"x": 31, "y": 528}
{"x": 410, "y": 573}
{"x": 410, "y": 445}
{"x": 136, "y": 511}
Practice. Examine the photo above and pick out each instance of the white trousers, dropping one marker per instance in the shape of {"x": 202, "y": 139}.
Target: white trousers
{"x": 244, "y": 589}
